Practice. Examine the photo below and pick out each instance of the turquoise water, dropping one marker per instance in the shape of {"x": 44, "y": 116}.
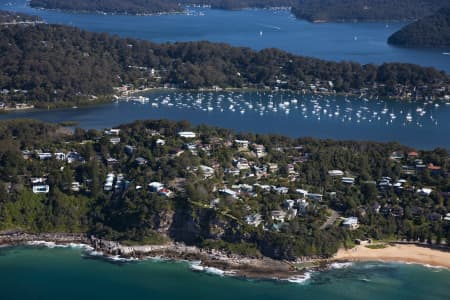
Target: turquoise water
{"x": 64, "y": 273}
{"x": 361, "y": 42}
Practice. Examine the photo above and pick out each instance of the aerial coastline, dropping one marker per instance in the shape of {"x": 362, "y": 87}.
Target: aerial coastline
{"x": 277, "y": 169}
{"x": 228, "y": 264}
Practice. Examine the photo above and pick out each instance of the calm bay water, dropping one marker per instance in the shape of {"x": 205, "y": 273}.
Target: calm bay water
{"x": 258, "y": 29}
{"x": 290, "y": 114}
{"x": 63, "y": 273}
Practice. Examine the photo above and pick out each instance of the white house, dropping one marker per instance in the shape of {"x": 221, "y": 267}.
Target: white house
{"x": 44, "y": 155}
{"x": 351, "y": 223}
{"x": 254, "y": 219}
{"x": 336, "y": 173}
{"x": 316, "y": 197}
{"x": 348, "y": 180}
{"x": 207, "y": 171}
{"x": 228, "y": 192}
{"x": 278, "y": 215}
{"x": 155, "y": 186}
{"x": 260, "y": 151}
{"x": 242, "y": 144}
{"x": 41, "y": 189}
{"x": 302, "y": 192}
{"x": 187, "y": 134}
{"x": 424, "y": 191}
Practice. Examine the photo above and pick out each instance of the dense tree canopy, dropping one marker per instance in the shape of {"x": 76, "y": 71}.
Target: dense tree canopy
{"x": 53, "y": 63}
{"x": 430, "y": 32}
{"x": 365, "y": 10}
{"x": 132, "y": 212}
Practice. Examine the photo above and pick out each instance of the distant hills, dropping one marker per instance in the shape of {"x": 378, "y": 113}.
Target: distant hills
{"x": 13, "y": 17}
{"x": 365, "y": 10}
{"x": 311, "y": 10}
{"x": 54, "y": 63}
{"x": 111, "y": 6}
{"x": 430, "y": 32}
{"x": 152, "y": 6}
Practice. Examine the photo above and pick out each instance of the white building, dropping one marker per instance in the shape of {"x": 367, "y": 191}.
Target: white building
{"x": 41, "y": 189}
{"x": 336, "y": 173}
{"x": 242, "y": 144}
{"x": 187, "y": 134}
{"x": 351, "y": 223}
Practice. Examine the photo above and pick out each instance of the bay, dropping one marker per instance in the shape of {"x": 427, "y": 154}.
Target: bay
{"x": 65, "y": 273}
{"x": 424, "y": 126}
{"x": 258, "y": 29}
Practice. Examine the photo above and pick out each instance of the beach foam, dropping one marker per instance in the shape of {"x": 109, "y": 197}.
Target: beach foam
{"x": 300, "y": 279}
{"x": 337, "y": 265}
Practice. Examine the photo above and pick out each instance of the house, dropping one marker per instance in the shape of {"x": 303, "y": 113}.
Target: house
{"x": 260, "y": 151}
{"x": 140, "y": 161}
{"x": 241, "y": 164}
{"x": 129, "y": 149}
{"x": 75, "y": 186}
{"x": 281, "y": 190}
{"x": 396, "y": 156}
{"x": 155, "y": 186}
{"x": 228, "y": 192}
{"x": 278, "y": 215}
{"x": 114, "y": 140}
{"x": 433, "y": 168}
{"x": 26, "y": 154}
{"x": 111, "y": 161}
{"x": 160, "y": 142}
{"x": 112, "y": 131}
{"x": 73, "y": 156}
{"x": 254, "y": 219}
{"x": 413, "y": 154}
{"x": 351, "y": 223}
{"x": 336, "y": 173}
{"x": 165, "y": 192}
{"x": 303, "y": 193}
{"x": 207, "y": 171}
{"x": 36, "y": 180}
{"x": 242, "y": 145}
{"x": 289, "y": 203}
{"x": 187, "y": 134}
{"x": 348, "y": 180}
{"x": 232, "y": 171}
{"x": 60, "y": 156}
{"x": 273, "y": 167}
{"x": 41, "y": 189}
{"x": 447, "y": 217}
{"x": 109, "y": 182}
{"x": 315, "y": 197}
{"x": 302, "y": 205}
{"x": 424, "y": 191}
{"x": 44, "y": 155}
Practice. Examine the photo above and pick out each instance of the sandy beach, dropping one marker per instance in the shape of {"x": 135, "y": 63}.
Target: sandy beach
{"x": 407, "y": 253}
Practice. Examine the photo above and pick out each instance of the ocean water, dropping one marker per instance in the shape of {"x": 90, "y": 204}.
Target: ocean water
{"x": 320, "y": 117}
{"x": 258, "y": 29}
{"x": 64, "y": 273}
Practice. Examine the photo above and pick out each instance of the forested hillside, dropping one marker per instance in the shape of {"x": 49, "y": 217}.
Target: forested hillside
{"x": 365, "y": 10}
{"x": 145, "y": 183}
{"x": 12, "y": 17}
{"x": 312, "y": 10}
{"x": 110, "y": 6}
{"x": 53, "y": 63}
{"x": 430, "y": 32}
